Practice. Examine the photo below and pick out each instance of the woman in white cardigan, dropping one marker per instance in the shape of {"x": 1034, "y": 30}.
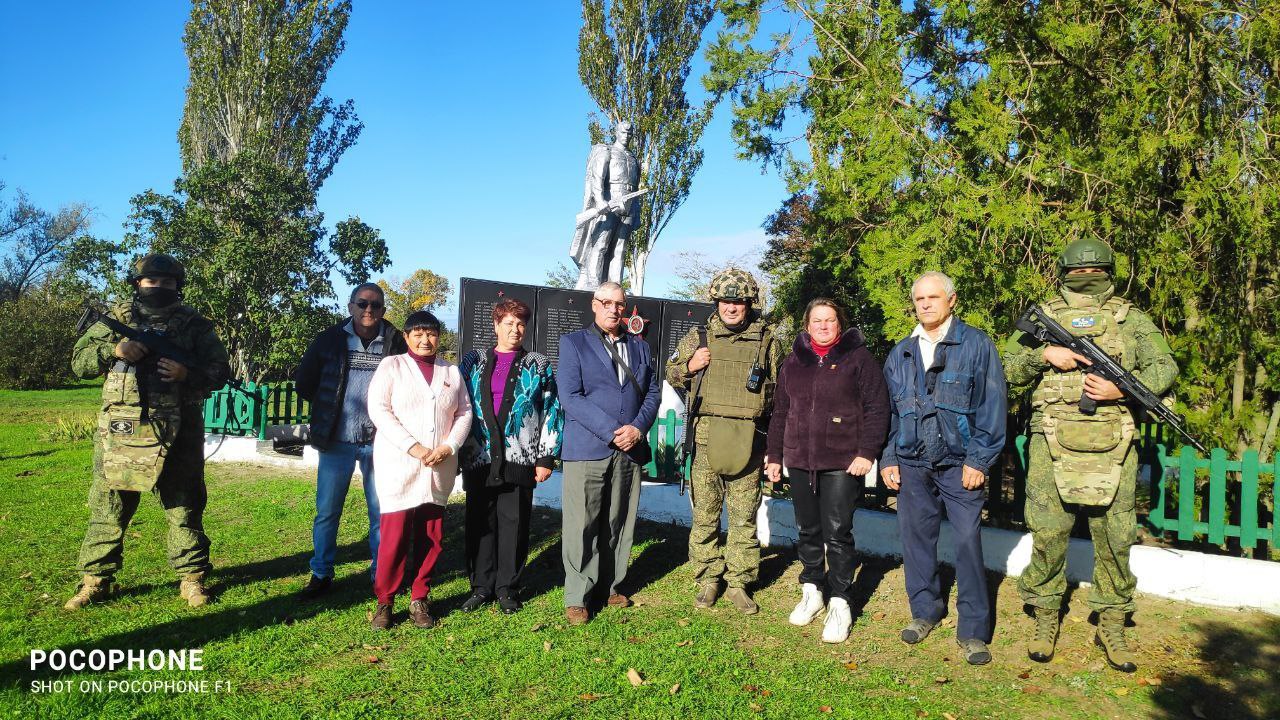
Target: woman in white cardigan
{"x": 419, "y": 404}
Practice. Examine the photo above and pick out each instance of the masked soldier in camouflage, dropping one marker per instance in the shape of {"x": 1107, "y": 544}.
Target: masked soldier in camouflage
{"x": 740, "y": 358}
{"x": 1085, "y": 464}
{"x": 150, "y": 430}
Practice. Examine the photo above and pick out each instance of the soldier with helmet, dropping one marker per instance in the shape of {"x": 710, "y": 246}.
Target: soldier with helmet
{"x": 1084, "y": 464}
{"x": 150, "y": 429}
{"x": 738, "y": 357}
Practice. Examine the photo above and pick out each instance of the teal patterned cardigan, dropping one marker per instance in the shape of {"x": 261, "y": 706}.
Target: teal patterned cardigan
{"x": 531, "y": 418}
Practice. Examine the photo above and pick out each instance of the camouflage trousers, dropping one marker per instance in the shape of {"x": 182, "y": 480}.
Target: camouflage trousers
{"x": 737, "y": 561}
{"x": 181, "y": 492}
{"x": 1113, "y": 529}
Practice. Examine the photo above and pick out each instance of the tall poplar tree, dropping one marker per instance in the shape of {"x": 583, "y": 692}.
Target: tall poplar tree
{"x": 634, "y": 59}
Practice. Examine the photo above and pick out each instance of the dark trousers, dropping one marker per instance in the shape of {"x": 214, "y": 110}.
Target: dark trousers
{"x": 923, "y": 495}
{"x": 410, "y": 547}
{"x": 824, "y": 502}
{"x": 497, "y": 536}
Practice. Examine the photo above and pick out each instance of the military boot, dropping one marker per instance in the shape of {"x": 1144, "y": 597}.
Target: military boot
{"x": 1110, "y": 637}
{"x": 192, "y": 589}
{"x": 92, "y": 589}
{"x": 741, "y": 599}
{"x": 1041, "y": 647}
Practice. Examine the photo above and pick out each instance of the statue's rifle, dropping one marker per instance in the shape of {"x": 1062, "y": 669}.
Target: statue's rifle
{"x": 590, "y": 214}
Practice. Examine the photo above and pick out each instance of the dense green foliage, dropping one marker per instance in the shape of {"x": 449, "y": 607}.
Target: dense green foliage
{"x": 981, "y": 137}
{"x": 634, "y": 58}
{"x": 257, "y": 140}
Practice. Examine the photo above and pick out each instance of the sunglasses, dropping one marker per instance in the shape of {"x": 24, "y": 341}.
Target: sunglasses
{"x": 373, "y": 304}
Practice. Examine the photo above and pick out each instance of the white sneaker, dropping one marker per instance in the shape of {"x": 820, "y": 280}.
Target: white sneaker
{"x": 836, "y": 628}
{"x": 809, "y": 606}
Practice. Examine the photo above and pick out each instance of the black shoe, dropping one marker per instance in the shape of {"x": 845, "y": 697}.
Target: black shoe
{"x": 509, "y": 605}
{"x": 475, "y": 602}
{"x": 316, "y": 587}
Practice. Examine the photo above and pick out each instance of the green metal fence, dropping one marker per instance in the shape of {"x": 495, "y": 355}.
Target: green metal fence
{"x": 1216, "y": 498}
{"x": 249, "y": 409}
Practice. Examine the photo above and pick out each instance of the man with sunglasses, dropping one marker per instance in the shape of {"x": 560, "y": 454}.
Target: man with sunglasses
{"x": 334, "y": 377}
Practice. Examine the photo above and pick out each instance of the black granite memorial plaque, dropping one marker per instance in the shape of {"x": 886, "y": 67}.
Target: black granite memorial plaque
{"x": 475, "y": 312}
{"x": 677, "y": 318}
{"x": 560, "y": 312}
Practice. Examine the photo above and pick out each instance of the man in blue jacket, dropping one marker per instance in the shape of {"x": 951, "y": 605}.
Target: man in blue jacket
{"x": 946, "y": 432}
{"x": 610, "y": 392}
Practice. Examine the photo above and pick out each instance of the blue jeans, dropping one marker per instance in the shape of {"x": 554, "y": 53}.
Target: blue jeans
{"x": 332, "y": 481}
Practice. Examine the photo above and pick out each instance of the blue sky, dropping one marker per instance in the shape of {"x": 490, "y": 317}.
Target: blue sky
{"x": 470, "y": 163}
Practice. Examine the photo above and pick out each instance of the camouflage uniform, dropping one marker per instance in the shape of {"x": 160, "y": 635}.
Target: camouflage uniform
{"x": 731, "y": 415}
{"x": 128, "y": 448}
{"x": 1085, "y": 464}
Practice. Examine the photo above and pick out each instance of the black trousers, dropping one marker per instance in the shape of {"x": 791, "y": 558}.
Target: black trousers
{"x": 497, "y": 536}
{"x": 824, "y": 502}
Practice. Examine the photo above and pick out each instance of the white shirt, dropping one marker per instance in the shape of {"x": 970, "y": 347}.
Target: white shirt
{"x": 927, "y": 346}
{"x": 620, "y": 345}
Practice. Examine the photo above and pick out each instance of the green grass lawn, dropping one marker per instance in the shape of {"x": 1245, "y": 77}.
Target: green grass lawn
{"x": 284, "y": 658}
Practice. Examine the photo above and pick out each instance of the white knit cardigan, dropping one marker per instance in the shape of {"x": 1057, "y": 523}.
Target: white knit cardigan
{"x": 406, "y": 410}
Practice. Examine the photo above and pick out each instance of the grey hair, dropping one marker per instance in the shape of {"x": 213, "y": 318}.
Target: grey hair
{"x": 948, "y": 286}
{"x": 368, "y": 286}
{"x": 608, "y": 285}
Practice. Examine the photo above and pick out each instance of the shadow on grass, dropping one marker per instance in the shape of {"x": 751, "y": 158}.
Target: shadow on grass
{"x": 1222, "y": 689}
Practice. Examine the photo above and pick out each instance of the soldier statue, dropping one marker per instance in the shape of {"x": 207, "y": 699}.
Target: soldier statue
{"x": 1084, "y": 464}
{"x": 151, "y": 429}
{"x": 739, "y": 357}
{"x": 610, "y": 211}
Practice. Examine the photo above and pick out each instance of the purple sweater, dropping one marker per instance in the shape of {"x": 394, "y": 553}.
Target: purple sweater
{"x": 828, "y": 411}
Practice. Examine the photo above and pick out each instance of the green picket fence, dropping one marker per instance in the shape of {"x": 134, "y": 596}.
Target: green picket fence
{"x": 250, "y": 408}
{"x": 1228, "y": 501}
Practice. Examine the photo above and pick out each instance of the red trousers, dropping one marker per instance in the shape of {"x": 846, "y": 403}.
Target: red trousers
{"x": 408, "y": 537}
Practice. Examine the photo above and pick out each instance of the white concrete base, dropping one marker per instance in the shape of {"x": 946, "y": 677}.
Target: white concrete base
{"x": 1164, "y": 572}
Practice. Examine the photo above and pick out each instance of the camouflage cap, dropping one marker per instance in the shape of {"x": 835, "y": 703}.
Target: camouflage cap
{"x": 735, "y": 284}
{"x": 1086, "y": 253}
{"x": 156, "y": 265}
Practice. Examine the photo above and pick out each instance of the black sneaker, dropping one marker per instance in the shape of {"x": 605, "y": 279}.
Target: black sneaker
{"x": 475, "y": 602}
{"x": 509, "y": 605}
{"x": 316, "y": 587}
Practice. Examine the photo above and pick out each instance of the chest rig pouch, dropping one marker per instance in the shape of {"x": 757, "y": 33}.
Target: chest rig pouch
{"x": 1088, "y": 451}
{"x": 139, "y": 421}
{"x": 729, "y": 410}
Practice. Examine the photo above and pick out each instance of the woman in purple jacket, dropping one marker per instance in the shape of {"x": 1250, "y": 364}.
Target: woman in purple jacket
{"x": 830, "y": 419}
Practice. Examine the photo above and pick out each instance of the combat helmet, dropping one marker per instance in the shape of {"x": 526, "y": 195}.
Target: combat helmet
{"x": 1086, "y": 253}
{"x": 735, "y": 284}
{"x": 155, "y": 265}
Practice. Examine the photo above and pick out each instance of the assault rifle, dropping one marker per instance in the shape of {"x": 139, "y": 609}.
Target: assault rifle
{"x": 1044, "y": 329}
{"x": 158, "y": 345}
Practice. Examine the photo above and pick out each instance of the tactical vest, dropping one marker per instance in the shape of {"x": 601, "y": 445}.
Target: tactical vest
{"x": 136, "y": 439}
{"x": 724, "y": 387}
{"x": 1088, "y": 451}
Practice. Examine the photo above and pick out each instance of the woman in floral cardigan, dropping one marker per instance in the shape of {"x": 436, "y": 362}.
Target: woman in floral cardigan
{"x": 512, "y": 446}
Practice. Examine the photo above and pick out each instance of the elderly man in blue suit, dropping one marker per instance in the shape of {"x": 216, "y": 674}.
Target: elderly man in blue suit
{"x": 610, "y": 392}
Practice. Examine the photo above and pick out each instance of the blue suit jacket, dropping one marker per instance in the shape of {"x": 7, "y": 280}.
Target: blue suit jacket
{"x": 596, "y": 404}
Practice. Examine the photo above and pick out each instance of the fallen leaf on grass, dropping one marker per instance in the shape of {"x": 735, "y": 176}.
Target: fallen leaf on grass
{"x": 683, "y": 622}
{"x": 375, "y": 647}
{"x": 135, "y": 535}
{"x": 1032, "y": 689}
{"x": 949, "y": 623}
{"x": 1075, "y": 619}
{"x": 878, "y": 616}
{"x": 941, "y": 680}
{"x": 824, "y": 709}
{"x": 757, "y": 707}
{"x": 750, "y": 688}
{"x": 684, "y": 643}
{"x": 537, "y": 627}
{"x": 948, "y": 716}
{"x": 25, "y": 575}
{"x": 546, "y": 646}
{"x": 1153, "y": 681}
{"x": 634, "y": 640}
{"x": 597, "y": 659}
{"x": 589, "y": 697}
{"x": 44, "y": 596}
{"x": 1121, "y": 691}
{"x": 765, "y": 693}
{"x": 372, "y": 659}
{"x": 635, "y": 677}
{"x": 922, "y": 713}
{"x": 1024, "y": 675}
{"x": 851, "y": 665}
{"x": 675, "y": 688}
